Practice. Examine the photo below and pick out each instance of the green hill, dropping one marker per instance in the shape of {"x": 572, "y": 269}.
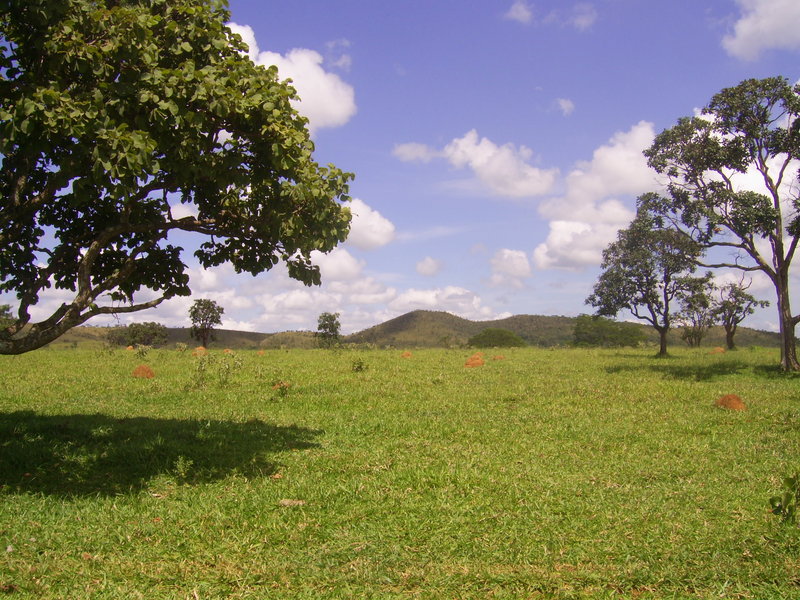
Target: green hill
{"x": 417, "y": 329}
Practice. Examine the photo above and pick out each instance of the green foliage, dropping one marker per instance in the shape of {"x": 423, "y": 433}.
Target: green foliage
{"x": 785, "y": 504}
{"x": 595, "y": 331}
{"x": 696, "y": 314}
{"x": 646, "y": 271}
{"x": 328, "y": 330}
{"x": 751, "y": 126}
{"x": 112, "y": 114}
{"x": 205, "y": 315}
{"x": 6, "y": 318}
{"x": 136, "y": 334}
{"x": 733, "y": 306}
{"x": 492, "y": 337}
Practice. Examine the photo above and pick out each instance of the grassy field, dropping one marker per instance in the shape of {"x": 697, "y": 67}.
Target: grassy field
{"x": 349, "y": 474}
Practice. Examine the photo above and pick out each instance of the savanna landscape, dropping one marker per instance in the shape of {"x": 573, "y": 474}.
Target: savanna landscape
{"x": 542, "y": 473}
{"x": 145, "y": 145}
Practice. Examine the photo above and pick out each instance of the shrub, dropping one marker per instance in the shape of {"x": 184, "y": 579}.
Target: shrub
{"x": 496, "y": 338}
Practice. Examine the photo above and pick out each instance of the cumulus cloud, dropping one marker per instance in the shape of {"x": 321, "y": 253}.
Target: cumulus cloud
{"x": 453, "y": 299}
{"x": 593, "y": 191}
{"x": 764, "y": 24}
{"x": 325, "y": 99}
{"x": 368, "y": 228}
{"x": 337, "y": 265}
{"x": 582, "y": 16}
{"x": 414, "y": 151}
{"x": 429, "y": 266}
{"x": 502, "y": 170}
{"x": 566, "y": 106}
{"x": 520, "y": 11}
{"x": 509, "y": 268}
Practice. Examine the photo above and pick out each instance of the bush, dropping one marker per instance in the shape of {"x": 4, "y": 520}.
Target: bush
{"x": 138, "y": 334}
{"x": 496, "y": 338}
{"x": 599, "y": 331}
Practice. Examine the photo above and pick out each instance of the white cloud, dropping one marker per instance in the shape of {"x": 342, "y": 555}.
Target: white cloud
{"x": 413, "y": 151}
{"x": 337, "y": 55}
{"x": 502, "y": 170}
{"x": 617, "y": 168}
{"x": 509, "y": 268}
{"x": 520, "y": 11}
{"x": 368, "y": 228}
{"x": 566, "y": 106}
{"x": 583, "y": 16}
{"x": 453, "y": 299}
{"x": 764, "y": 24}
{"x": 337, "y": 265}
{"x": 429, "y": 266}
{"x": 325, "y": 99}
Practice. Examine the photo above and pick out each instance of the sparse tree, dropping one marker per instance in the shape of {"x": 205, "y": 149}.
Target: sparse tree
{"x": 733, "y": 307}
{"x": 6, "y": 318}
{"x": 593, "y": 330}
{"x": 495, "y": 337}
{"x": 139, "y": 334}
{"x": 205, "y": 315}
{"x": 752, "y": 129}
{"x": 126, "y": 122}
{"x": 644, "y": 272}
{"x": 696, "y": 315}
{"x": 328, "y": 329}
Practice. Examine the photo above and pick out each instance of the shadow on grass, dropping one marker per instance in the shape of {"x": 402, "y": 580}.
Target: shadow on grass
{"x": 69, "y": 455}
{"x": 693, "y": 373}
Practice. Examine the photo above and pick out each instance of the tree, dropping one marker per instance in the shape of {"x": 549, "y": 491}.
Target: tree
{"x": 733, "y": 306}
{"x": 205, "y": 315}
{"x": 696, "y": 315}
{"x": 124, "y": 122}
{"x": 328, "y": 329}
{"x": 494, "y": 337}
{"x": 644, "y": 272}
{"x": 592, "y": 330}
{"x": 749, "y": 129}
{"x": 139, "y": 334}
{"x": 6, "y": 318}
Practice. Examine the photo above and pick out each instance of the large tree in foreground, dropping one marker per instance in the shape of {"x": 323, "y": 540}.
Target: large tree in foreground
{"x": 733, "y": 174}
{"x": 125, "y": 121}
{"x": 646, "y": 271}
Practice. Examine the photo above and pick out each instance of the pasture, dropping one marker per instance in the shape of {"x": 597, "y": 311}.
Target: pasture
{"x": 362, "y": 474}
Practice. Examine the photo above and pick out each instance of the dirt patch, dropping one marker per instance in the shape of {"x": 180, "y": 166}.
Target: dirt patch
{"x": 717, "y": 350}
{"x": 730, "y": 402}
{"x": 144, "y": 372}
{"x": 499, "y": 357}
{"x": 406, "y": 354}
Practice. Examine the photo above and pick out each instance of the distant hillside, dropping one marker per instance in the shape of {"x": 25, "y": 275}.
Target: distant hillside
{"x": 417, "y": 329}
{"x": 426, "y": 328}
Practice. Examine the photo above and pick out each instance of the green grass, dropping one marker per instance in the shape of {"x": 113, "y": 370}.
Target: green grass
{"x": 550, "y": 474}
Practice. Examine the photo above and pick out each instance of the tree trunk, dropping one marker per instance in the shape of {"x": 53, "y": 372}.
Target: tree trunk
{"x": 730, "y": 331}
{"x": 662, "y": 335}
{"x": 788, "y": 345}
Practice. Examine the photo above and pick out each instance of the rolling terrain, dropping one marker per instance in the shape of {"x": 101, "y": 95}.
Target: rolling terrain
{"x": 420, "y": 329}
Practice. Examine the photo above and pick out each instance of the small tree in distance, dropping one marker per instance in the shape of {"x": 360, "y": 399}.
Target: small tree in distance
{"x": 139, "y": 334}
{"x": 645, "y": 271}
{"x": 697, "y": 311}
{"x": 733, "y": 306}
{"x": 328, "y": 328}
{"x": 205, "y": 314}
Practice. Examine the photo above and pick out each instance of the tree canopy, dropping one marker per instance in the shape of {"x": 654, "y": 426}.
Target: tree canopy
{"x": 123, "y": 122}
{"x": 645, "y": 271}
{"x": 328, "y": 329}
{"x": 750, "y": 129}
{"x": 495, "y": 337}
{"x": 592, "y": 330}
{"x": 205, "y": 315}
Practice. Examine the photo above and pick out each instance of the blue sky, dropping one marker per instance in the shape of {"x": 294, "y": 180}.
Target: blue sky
{"x": 496, "y": 144}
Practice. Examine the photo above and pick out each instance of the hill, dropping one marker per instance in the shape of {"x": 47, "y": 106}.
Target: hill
{"x": 417, "y": 329}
